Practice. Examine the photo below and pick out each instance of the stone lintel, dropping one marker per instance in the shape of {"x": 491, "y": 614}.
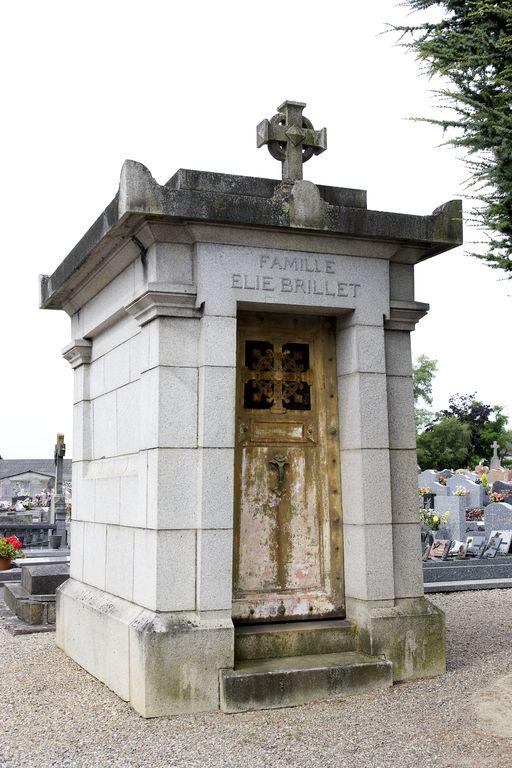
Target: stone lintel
{"x": 153, "y": 304}
{"x": 404, "y": 315}
{"x": 261, "y": 203}
{"x": 78, "y": 352}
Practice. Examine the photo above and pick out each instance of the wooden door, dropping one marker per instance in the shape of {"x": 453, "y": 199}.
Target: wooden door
{"x": 288, "y": 561}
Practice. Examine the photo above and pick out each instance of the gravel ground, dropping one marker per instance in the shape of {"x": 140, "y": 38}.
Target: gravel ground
{"x": 55, "y": 714}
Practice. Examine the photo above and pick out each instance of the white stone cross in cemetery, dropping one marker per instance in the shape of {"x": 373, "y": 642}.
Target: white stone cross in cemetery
{"x": 291, "y": 138}
{"x": 495, "y": 461}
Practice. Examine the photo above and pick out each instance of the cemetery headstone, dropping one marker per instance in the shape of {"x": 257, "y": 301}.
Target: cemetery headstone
{"x": 498, "y": 516}
{"x": 502, "y": 487}
{"x": 429, "y": 479}
{"x": 456, "y": 507}
{"x": 476, "y": 492}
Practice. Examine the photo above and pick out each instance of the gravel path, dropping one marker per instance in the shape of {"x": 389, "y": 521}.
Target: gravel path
{"x": 54, "y": 714}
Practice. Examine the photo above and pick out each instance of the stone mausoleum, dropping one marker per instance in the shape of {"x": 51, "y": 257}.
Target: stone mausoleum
{"x": 245, "y": 529}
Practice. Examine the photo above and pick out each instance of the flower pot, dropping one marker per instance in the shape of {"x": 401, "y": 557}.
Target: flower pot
{"x": 5, "y": 564}
{"x": 54, "y": 541}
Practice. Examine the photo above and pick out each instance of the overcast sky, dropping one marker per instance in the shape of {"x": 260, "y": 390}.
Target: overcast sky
{"x": 182, "y": 85}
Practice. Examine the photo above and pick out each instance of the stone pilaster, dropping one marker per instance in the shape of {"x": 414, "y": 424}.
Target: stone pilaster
{"x": 78, "y": 354}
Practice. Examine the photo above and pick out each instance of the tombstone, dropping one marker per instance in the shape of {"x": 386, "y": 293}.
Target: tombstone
{"x": 501, "y": 487}
{"x": 446, "y": 473}
{"x": 499, "y": 475}
{"x": 476, "y": 495}
{"x": 456, "y": 507}
{"x": 217, "y": 323}
{"x": 498, "y": 516}
{"x": 429, "y": 479}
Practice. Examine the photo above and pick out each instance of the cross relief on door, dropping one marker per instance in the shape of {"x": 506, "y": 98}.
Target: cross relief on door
{"x": 277, "y": 377}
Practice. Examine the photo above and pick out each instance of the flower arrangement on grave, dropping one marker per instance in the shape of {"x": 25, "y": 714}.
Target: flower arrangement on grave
{"x": 433, "y": 521}
{"x": 460, "y": 491}
{"x": 460, "y": 471}
{"x": 441, "y": 480}
{"x": 423, "y": 490}
{"x": 496, "y": 496}
{"x": 474, "y": 515}
{"x": 485, "y": 484}
{"x": 10, "y": 548}
{"x": 27, "y": 503}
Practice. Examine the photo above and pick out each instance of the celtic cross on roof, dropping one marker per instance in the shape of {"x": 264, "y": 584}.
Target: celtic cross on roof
{"x": 291, "y": 138}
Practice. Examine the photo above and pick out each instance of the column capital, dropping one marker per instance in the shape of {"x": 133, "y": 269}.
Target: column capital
{"x": 403, "y": 315}
{"x": 78, "y": 352}
{"x": 152, "y": 304}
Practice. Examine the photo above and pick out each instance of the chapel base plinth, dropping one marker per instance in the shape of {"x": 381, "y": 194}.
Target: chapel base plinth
{"x": 162, "y": 663}
{"x": 409, "y": 632}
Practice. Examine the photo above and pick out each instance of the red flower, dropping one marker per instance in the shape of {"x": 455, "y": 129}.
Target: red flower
{"x": 16, "y": 543}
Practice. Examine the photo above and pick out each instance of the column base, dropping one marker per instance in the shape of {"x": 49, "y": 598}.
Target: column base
{"x": 410, "y": 632}
{"x": 162, "y": 663}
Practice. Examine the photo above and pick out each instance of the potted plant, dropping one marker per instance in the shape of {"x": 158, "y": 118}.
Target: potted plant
{"x": 10, "y": 549}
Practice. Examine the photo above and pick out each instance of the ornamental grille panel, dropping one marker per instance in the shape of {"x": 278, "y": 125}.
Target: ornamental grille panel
{"x": 277, "y": 378}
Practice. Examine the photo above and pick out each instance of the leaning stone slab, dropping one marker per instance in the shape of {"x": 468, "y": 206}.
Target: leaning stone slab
{"x": 44, "y": 579}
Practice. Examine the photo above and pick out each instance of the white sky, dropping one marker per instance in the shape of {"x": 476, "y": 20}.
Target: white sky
{"x": 183, "y": 84}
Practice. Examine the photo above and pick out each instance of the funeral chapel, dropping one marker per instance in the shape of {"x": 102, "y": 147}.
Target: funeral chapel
{"x": 245, "y": 529}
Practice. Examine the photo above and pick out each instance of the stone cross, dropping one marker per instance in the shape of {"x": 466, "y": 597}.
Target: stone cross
{"x": 291, "y": 138}
{"x": 58, "y": 500}
{"x": 58, "y": 455}
{"x": 495, "y": 461}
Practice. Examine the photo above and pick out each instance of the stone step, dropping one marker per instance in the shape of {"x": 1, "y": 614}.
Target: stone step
{"x": 13, "y": 592}
{"x": 299, "y": 638}
{"x": 44, "y": 579}
{"x": 32, "y": 609}
{"x": 287, "y": 682}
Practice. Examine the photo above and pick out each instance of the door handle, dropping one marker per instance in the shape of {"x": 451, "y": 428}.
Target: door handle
{"x": 279, "y": 462}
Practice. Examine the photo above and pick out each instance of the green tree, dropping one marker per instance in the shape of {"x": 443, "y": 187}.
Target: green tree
{"x": 471, "y": 49}
{"x": 423, "y": 373}
{"x": 486, "y": 423}
{"x": 444, "y": 445}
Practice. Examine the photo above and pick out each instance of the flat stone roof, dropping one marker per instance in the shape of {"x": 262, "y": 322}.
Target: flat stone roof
{"x": 251, "y": 202}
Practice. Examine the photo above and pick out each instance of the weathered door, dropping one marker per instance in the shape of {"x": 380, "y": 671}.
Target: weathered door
{"x": 287, "y": 543}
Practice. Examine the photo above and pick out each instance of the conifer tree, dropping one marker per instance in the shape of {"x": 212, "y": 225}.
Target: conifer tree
{"x": 471, "y": 49}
